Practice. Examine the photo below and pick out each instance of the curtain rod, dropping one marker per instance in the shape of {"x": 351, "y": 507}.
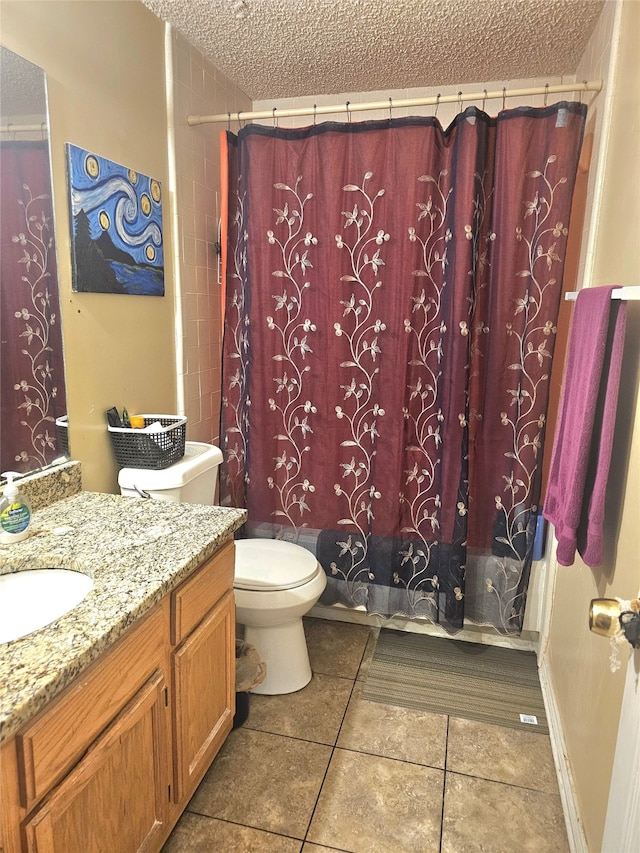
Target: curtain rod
{"x": 24, "y": 128}
{"x": 348, "y": 107}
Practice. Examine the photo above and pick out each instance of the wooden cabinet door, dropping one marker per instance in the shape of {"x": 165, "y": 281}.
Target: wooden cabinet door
{"x": 204, "y": 694}
{"x": 51, "y": 745}
{"x": 117, "y": 797}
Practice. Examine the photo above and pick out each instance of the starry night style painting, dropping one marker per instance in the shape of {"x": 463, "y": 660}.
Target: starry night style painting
{"x": 116, "y": 238}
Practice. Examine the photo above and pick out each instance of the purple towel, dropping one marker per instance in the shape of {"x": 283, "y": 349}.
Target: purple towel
{"x": 574, "y": 501}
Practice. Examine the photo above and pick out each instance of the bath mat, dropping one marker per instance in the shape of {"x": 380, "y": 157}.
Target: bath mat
{"x": 475, "y": 681}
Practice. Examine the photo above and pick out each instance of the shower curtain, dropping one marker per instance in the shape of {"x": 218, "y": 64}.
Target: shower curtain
{"x": 32, "y": 393}
{"x": 392, "y": 290}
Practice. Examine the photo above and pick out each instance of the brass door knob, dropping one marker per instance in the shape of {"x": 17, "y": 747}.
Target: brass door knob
{"x": 611, "y": 617}
{"x": 604, "y": 617}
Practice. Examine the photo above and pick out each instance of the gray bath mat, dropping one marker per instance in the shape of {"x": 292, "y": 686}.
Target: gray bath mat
{"x": 470, "y": 680}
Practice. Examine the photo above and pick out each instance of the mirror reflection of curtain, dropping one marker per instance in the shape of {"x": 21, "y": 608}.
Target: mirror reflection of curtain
{"x": 392, "y": 296}
{"x": 32, "y": 392}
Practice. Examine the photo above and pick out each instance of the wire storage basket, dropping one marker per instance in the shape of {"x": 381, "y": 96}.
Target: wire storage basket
{"x": 62, "y": 428}
{"x": 156, "y": 448}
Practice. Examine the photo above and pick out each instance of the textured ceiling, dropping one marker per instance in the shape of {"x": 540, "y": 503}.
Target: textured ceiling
{"x": 290, "y": 48}
{"x": 22, "y": 89}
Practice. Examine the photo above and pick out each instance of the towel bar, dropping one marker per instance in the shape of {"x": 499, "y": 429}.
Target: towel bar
{"x": 626, "y": 293}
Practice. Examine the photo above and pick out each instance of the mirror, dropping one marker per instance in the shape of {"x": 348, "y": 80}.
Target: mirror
{"x": 33, "y": 423}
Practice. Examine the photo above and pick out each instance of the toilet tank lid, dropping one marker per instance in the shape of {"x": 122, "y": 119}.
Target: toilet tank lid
{"x": 272, "y": 564}
{"x": 198, "y": 458}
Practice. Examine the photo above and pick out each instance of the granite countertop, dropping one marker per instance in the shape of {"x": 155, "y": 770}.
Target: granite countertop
{"x": 135, "y": 550}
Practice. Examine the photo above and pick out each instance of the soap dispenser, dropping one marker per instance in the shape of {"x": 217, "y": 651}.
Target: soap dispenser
{"x": 15, "y": 512}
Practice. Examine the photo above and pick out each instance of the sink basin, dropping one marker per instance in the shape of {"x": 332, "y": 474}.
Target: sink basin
{"x": 32, "y": 599}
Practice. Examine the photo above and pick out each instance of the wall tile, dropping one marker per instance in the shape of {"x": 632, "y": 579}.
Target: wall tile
{"x": 199, "y": 88}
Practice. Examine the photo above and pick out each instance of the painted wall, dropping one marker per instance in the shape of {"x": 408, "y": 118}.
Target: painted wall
{"x": 104, "y": 63}
{"x": 587, "y": 693}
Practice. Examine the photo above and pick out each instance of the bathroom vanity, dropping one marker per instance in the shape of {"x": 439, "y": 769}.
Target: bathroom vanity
{"x": 110, "y": 716}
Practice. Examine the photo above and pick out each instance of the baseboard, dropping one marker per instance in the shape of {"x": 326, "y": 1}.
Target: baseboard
{"x": 575, "y": 832}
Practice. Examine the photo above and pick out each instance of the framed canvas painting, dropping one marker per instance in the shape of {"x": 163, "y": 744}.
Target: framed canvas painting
{"x": 116, "y": 227}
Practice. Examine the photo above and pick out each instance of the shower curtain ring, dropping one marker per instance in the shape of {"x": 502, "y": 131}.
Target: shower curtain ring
{"x": 315, "y": 107}
{"x": 390, "y": 108}
{"x": 348, "y": 112}
{"x": 504, "y": 96}
{"x": 459, "y": 102}
{"x": 229, "y": 122}
{"x": 546, "y": 93}
{"x": 484, "y": 99}
{"x": 437, "y": 105}
{"x": 273, "y": 113}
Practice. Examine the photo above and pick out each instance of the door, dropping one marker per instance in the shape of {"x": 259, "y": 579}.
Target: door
{"x": 116, "y": 798}
{"x": 622, "y": 826}
{"x": 204, "y": 693}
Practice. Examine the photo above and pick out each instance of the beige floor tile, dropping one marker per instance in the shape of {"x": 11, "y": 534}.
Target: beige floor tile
{"x": 488, "y": 816}
{"x": 335, "y": 648}
{"x": 394, "y": 732}
{"x": 383, "y": 791}
{"x": 501, "y": 754}
{"x": 265, "y": 781}
{"x": 313, "y": 713}
{"x": 198, "y": 834}
{"x": 369, "y": 803}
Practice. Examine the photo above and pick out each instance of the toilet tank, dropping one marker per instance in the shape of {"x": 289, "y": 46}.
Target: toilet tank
{"x": 190, "y": 480}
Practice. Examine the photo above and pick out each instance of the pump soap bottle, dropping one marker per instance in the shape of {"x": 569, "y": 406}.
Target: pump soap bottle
{"x": 15, "y": 512}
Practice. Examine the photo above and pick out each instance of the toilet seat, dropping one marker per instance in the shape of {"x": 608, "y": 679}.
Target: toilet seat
{"x": 271, "y": 564}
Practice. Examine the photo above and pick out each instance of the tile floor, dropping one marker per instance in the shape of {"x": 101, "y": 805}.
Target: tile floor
{"x": 323, "y": 769}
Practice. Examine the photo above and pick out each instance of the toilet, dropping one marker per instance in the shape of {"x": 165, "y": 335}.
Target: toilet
{"x": 275, "y": 584}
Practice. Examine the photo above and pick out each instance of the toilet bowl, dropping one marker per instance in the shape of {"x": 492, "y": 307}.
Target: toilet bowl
{"x": 276, "y": 583}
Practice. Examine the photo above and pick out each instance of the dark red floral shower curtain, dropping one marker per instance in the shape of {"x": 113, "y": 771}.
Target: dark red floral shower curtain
{"x": 392, "y": 294}
{"x": 32, "y": 393}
